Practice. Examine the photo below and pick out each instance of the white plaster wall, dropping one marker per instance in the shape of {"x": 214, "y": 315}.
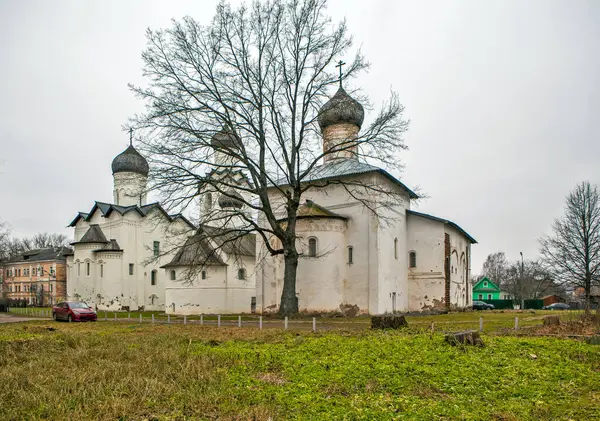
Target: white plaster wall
{"x": 368, "y": 282}
{"x": 222, "y": 292}
{"x": 426, "y": 281}
{"x": 129, "y": 189}
{"x": 117, "y": 289}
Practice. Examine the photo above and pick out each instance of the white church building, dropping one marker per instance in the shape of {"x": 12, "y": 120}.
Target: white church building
{"x": 134, "y": 255}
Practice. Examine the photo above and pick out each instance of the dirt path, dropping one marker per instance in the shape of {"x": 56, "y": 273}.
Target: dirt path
{"x": 9, "y": 318}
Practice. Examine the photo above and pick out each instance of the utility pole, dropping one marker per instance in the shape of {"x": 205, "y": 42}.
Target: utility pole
{"x": 521, "y": 282}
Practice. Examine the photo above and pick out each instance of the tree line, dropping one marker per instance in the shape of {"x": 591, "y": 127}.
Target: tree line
{"x": 11, "y": 246}
{"x": 569, "y": 259}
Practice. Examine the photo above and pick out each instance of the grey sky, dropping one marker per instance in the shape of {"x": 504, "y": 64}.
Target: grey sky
{"x": 501, "y": 95}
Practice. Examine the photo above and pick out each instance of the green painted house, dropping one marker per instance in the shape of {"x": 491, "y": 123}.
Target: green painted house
{"x": 485, "y": 290}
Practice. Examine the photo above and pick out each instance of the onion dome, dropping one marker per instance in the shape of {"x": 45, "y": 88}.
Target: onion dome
{"x": 341, "y": 108}
{"x": 231, "y": 200}
{"x": 130, "y": 161}
{"x": 226, "y": 138}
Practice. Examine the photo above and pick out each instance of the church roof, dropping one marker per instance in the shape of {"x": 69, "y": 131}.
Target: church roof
{"x": 443, "y": 221}
{"x": 107, "y": 208}
{"x": 341, "y": 108}
{"x": 347, "y": 167}
{"x": 93, "y": 235}
{"x": 204, "y": 247}
{"x": 310, "y": 209}
{"x": 112, "y": 245}
{"x": 130, "y": 160}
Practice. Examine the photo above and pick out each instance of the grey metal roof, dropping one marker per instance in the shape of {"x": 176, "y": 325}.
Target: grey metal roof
{"x": 341, "y": 108}
{"x": 94, "y": 234}
{"x": 347, "y": 167}
{"x": 443, "y": 221}
{"x": 130, "y": 160}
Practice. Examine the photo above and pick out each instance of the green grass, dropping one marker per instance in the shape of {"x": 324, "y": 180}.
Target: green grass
{"x": 131, "y": 371}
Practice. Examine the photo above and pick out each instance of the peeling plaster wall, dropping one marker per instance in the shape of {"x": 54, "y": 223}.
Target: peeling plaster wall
{"x": 426, "y": 280}
{"x": 460, "y": 264}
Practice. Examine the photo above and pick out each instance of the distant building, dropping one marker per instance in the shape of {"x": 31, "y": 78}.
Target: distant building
{"x": 36, "y": 276}
{"x": 486, "y": 290}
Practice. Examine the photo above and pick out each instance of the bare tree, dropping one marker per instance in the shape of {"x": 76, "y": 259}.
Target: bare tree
{"x": 10, "y": 246}
{"x": 46, "y": 240}
{"x": 529, "y": 280}
{"x": 496, "y": 268}
{"x": 258, "y": 76}
{"x": 572, "y": 252}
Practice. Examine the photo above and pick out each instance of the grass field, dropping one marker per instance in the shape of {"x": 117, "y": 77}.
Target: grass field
{"x": 129, "y": 371}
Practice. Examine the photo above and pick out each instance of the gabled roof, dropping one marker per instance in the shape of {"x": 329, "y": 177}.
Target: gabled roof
{"x": 37, "y": 255}
{"x": 491, "y": 286}
{"x": 196, "y": 251}
{"x": 310, "y": 209}
{"x": 107, "y": 208}
{"x": 204, "y": 247}
{"x": 347, "y": 167}
{"x": 94, "y": 234}
{"x": 112, "y": 245}
{"x": 443, "y": 221}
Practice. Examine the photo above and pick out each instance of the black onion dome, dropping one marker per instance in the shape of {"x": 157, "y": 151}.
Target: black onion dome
{"x": 341, "y": 108}
{"x": 231, "y": 200}
{"x": 130, "y": 161}
{"x": 225, "y": 139}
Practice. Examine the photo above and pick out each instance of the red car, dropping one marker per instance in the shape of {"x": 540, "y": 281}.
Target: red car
{"x": 73, "y": 311}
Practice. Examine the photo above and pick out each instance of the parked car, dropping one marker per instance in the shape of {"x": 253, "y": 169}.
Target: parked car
{"x": 480, "y": 305}
{"x": 557, "y": 306}
{"x": 73, "y": 311}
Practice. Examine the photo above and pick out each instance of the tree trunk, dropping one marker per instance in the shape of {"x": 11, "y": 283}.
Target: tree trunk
{"x": 289, "y": 301}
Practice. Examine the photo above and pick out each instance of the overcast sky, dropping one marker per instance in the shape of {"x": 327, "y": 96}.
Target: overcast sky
{"x": 501, "y": 95}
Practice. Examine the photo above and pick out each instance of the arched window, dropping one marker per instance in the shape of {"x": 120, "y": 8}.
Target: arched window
{"x": 242, "y": 273}
{"x": 350, "y": 255}
{"x": 208, "y": 203}
{"x": 101, "y": 270}
{"x": 153, "y": 277}
{"x": 172, "y": 275}
{"x": 203, "y": 274}
{"x": 312, "y": 247}
{"x": 396, "y": 248}
{"x": 87, "y": 268}
{"x": 412, "y": 259}
{"x": 78, "y": 268}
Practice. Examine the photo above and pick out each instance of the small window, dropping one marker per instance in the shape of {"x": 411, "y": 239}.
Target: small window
{"x": 87, "y": 269}
{"x": 208, "y": 203}
{"x": 156, "y": 248}
{"x": 489, "y": 296}
{"x": 172, "y": 275}
{"x": 485, "y": 284}
{"x": 481, "y": 296}
{"x": 78, "y": 269}
{"x": 131, "y": 268}
{"x": 242, "y": 273}
{"x": 350, "y": 255}
{"x": 203, "y": 274}
{"x": 412, "y": 259}
{"x": 396, "y": 248}
{"x": 312, "y": 247}
{"x": 102, "y": 271}
{"x": 153, "y": 277}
